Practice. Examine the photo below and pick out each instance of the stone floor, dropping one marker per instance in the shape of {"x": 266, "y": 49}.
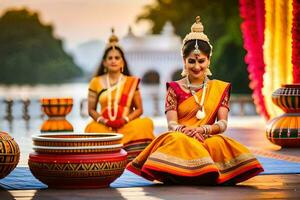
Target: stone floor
{"x": 260, "y": 187}
{"x": 249, "y": 131}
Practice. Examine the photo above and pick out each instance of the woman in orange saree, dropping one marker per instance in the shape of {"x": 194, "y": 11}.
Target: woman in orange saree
{"x": 121, "y": 106}
{"x": 194, "y": 151}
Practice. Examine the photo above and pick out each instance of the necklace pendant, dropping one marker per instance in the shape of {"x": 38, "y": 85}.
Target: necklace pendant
{"x": 200, "y": 114}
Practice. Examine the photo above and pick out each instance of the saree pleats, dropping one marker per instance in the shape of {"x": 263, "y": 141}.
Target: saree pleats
{"x": 174, "y": 153}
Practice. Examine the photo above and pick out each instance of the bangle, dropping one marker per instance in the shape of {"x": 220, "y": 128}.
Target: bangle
{"x": 172, "y": 125}
{"x": 222, "y": 124}
{"x": 126, "y": 119}
{"x": 100, "y": 119}
{"x": 207, "y": 130}
{"x": 179, "y": 128}
{"x": 204, "y": 130}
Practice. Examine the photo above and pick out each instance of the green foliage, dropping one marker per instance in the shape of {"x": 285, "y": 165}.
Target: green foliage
{"x": 222, "y": 25}
{"x": 30, "y": 53}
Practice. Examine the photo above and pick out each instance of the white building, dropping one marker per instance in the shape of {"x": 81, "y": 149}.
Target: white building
{"x": 160, "y": 53}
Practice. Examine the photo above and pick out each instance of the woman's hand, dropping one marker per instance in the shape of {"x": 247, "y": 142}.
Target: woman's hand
{"x": 188, "y": 131}
{"x": 194, "y": 133}
{"x": 116, "y": 124}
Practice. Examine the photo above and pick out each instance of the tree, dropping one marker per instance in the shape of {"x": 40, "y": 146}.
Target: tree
{"x": 221, "y": 23}
{"x": 30, "y": 53}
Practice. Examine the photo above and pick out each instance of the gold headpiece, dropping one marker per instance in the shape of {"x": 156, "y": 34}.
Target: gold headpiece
{"x": 113, "y": 40}
{"x": 196, "y": 34}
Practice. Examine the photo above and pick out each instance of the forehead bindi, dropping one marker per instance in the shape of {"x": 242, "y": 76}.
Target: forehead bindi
{"x": 197, "y": 56}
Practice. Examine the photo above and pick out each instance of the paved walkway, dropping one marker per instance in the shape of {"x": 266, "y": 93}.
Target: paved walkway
{"x": 249, "y": 131}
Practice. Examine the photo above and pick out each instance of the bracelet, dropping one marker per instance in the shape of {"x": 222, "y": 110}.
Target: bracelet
{"x": 204, "y": 129}
{"x": 179, "y": 128}
{"x": 126, "y": 118}
{"x": 100, "y": 119}
{"x": 172, "y": 125}
{"x": 207, "y": 131}
{"x": 222, "y": 125}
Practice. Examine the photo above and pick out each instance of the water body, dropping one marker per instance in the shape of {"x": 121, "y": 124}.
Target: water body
{"x": 22, "y": 125}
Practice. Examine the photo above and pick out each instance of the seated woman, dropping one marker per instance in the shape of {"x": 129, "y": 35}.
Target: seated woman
{"x": 194, "y": 150}
{"x": 121, "y": 104}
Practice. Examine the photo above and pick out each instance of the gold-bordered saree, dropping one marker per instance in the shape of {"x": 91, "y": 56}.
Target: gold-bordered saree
{"x": 177, "y": 158}
{"x": 138, "y": 133}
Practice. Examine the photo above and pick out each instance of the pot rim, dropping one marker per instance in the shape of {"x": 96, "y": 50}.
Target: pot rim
{"x": 78, "y": 147}
{"x": 43, "y": 137}
{"x": 293, "y": 85}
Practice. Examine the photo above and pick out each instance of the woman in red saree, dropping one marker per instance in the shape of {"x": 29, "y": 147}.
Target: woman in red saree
{"x": 121, "y": 105}
{"x": 194, "y": 151}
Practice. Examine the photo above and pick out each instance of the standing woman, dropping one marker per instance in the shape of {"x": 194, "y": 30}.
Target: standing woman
{"x": 120, "y": 100}
{"x": 194, "y": 150}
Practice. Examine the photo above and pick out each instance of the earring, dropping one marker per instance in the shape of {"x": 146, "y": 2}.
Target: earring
{"x": 105, "y": 70}
{"x": 208, "y": 72}
{"x": 122, "y": 69}
{"x": 184, "y": 73}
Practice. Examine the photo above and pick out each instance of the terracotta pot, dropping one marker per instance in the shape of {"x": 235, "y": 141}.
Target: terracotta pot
{"x": 288, "y": 98}
{"x": 9, "y": 154}
{"x": 56, "y": 125}
{"x": 90, "y": 160}
{"x": 77, "y": 171}
{"x": 56, "y": 109}
{"x": 284, "y": 130}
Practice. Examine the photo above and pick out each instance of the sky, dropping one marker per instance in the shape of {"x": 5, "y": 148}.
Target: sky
{"x": 79, "y": 21}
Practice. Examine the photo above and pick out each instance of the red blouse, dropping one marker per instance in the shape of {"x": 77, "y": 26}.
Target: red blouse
{"x": 176, "y": 95}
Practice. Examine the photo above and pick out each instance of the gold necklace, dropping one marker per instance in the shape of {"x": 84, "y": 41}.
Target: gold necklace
{"x": 201, "y": 112}
{"x": 111, "y": 116}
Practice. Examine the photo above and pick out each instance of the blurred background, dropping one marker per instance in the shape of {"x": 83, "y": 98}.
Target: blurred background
{"x": 51, "y": 48}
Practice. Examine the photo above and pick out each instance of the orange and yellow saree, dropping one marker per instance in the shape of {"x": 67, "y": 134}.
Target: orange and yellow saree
{"x": 177, "y": 158}
{"x": 138, "y": 133}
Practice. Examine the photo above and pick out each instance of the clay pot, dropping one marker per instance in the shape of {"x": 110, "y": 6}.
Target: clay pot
{"x": 77, "y": 143}
{"x": 56, "y": 109}
{"x": 77, "y": 161}
{"x": 9, "y": 154}
{"x": 284, "y": 130}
